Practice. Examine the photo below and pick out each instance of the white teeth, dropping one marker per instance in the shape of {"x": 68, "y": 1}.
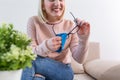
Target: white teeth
{"x": 56, "y": 9}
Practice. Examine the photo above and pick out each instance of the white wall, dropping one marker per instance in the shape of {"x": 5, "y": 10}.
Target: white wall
{"x": 103, "y": 15}
{"x": 17, "y": 12}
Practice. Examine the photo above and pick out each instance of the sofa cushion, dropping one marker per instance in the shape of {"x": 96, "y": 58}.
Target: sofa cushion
{"x": 112, "y": 73}
{"x": 77, "y": 68}
{"x": 100, "y": 69}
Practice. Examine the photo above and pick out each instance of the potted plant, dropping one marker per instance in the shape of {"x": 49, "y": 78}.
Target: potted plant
{"x": 15, "y": 52}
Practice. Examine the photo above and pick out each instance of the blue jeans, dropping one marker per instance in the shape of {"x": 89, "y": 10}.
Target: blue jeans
{"x": 49, "y": 68}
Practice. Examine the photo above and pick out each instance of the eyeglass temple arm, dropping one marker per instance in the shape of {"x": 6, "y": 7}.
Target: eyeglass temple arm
{"x": 74, "y": 21}
{"x": 53, "y": 29}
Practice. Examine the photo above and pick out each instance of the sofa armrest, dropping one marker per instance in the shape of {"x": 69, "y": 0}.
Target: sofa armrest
{"x": 103, "y": 69}
{"x": 93, "y": 51}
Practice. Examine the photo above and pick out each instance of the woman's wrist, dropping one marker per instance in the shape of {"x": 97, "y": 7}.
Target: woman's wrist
{"x": 46, "y": 43}
{"x": 83, "y": 37}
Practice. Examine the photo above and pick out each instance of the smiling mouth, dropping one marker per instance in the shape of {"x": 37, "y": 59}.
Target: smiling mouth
{"x": 57, "y": 9}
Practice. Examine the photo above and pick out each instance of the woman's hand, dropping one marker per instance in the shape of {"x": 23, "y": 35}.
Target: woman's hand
{"x": 54, "y": 43}
{"x": 84, "y": 28}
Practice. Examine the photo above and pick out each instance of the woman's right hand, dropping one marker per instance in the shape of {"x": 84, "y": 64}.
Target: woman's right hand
{"x": 54, "y": 43}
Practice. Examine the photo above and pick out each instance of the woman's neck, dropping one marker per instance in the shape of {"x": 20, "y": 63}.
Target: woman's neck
{"x": 53, "y": 22}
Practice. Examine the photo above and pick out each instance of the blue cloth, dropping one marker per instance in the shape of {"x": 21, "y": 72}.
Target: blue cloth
{"x": 49, "y": 68}
{"x": 63, "y": 37}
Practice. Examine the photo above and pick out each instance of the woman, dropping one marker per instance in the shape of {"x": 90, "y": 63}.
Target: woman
{"x": 52, "y": 38}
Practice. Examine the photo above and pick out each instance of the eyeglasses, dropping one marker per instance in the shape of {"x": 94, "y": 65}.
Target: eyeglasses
{"x": 64, "y": 36}
{"x": 75, "y": 28}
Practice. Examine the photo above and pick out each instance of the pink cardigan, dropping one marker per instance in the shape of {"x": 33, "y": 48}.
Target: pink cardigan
{"x": 75, "y": 46}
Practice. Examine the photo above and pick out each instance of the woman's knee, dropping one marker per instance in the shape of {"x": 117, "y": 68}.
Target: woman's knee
{"x": 38, "y": 77}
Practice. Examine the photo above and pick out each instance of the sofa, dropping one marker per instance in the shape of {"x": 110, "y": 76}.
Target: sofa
{"x": 94, "y": 68}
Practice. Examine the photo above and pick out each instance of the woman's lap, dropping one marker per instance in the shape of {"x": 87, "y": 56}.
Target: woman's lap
{"x": 50, "y": 69}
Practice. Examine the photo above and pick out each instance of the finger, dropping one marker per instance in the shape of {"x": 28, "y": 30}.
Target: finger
{"x": 81, "y": 31}
{"x": 86, "y": 24}
{"x": 58, "y": 38}
{"x": 56, "y": 47}
{"x": 79, "y": 22}
{"x": 87, "y": 29}
{"x": 57, "y": 43}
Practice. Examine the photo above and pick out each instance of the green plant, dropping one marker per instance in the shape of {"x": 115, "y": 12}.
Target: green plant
{"x": 15, "y": 52}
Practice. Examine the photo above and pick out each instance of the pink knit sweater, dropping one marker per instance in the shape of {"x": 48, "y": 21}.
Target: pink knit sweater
{"x": 75, "y": 46}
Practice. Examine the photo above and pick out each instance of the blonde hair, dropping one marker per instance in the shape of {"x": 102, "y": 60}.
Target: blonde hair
{"x": 42, "y": 14}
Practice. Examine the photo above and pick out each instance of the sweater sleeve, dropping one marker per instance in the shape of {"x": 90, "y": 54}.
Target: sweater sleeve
{"x": 39, "y": 49}
{"x": 79, "y": 47}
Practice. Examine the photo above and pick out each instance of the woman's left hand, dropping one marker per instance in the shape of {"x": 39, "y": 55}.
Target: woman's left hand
{"x": 84, "y": 27}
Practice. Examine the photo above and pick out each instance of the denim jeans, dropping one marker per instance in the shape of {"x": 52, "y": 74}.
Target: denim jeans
{"x": 49, "y": 68}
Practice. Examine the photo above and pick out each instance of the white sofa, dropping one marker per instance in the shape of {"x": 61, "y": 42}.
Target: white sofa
{"x": 94, "y": 68}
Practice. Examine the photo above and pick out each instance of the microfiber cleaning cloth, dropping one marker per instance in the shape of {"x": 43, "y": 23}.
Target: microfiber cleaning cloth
{"x": 63, "y": 37}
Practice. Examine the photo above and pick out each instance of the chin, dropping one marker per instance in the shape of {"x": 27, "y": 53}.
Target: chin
{"x": 58, "y": 14}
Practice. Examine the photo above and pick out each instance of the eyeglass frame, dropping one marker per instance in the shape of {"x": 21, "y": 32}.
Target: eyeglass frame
{"x": 76, "y": 26}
